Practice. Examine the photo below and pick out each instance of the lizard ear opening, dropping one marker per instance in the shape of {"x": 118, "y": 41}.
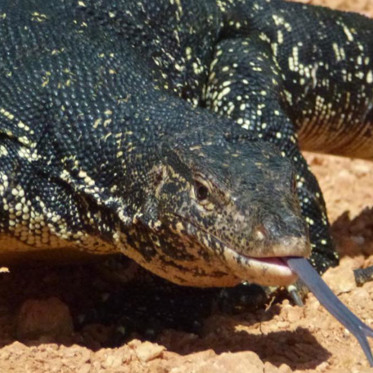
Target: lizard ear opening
{"x": 158, "y": 176}
{"x": 148, "y": 214}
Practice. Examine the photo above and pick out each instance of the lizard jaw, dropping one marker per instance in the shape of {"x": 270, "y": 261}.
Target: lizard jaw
{"x": 271, "y": 271}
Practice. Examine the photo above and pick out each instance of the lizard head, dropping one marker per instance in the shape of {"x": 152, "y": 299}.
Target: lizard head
{"x": 223, "y": 212}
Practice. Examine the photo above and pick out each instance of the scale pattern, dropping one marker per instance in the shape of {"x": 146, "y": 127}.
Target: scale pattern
{"x": 169, "y": 130}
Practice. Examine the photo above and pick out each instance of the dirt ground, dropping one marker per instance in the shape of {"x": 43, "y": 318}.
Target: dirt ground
{"x": 39, "y": 336}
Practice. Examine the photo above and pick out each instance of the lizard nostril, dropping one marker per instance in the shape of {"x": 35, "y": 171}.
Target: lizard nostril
{"x": 260, "y": 232}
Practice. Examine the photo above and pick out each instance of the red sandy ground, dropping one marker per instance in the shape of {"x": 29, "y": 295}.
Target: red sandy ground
{"x": 282, "y": 338}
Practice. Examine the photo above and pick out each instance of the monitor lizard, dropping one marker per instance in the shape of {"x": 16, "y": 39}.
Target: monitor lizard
{"x": 169, "y": 131}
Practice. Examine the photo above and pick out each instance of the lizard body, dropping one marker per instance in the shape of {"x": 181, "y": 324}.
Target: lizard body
{"x": 168, "y": 131}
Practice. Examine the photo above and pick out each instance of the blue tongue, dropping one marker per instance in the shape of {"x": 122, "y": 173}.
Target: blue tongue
{"x": 326, "y": 297}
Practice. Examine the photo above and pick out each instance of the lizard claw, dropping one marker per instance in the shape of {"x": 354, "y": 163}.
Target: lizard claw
{"x": 295, "y": 295}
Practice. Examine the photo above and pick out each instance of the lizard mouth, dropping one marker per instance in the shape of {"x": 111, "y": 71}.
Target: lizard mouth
{"x": 265, "y": 265}
{"x": 270, "y": 271}
{"x": 262, "y": 270}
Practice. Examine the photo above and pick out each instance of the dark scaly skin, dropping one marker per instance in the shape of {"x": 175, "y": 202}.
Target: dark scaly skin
{"x": 99, "y": 153}
{"x": 108, "y": 130}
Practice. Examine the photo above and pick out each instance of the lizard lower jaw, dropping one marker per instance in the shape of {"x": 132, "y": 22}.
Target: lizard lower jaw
{"x": 275, "y": 270}
{"x": 262, "y": 271}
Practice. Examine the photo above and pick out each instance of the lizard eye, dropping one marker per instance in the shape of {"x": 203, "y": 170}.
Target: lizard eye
{"x": 201, "y": 191}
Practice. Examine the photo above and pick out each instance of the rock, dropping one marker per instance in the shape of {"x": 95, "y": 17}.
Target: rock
{"x": 146, "y": 351}
{"x": 238, "y": 362}
{"x": 49, "y": 318}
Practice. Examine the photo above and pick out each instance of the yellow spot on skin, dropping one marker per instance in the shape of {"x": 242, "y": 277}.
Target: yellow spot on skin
{"x": 370, "y": 77}
{"x": 6, "y": 114}
{"x": 38, "y": 17}
{"x": 46, "y": 79}
{"x": 223, "y": 93}
{"x": 179, "y": 227}
{"x": 3, "y": 151}
{"x": 336, "y": 52}
{"x": 280, "y": 37}
{"x": 188, "y": 53}
{"x": 348, "y": 33}
{"x": 179, "y": 67}
{"x": 97, "y": 122}
{"x": 359, "y": 75}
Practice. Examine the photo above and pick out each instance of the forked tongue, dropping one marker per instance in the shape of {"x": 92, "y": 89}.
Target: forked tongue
{"x": 326, "y": 297}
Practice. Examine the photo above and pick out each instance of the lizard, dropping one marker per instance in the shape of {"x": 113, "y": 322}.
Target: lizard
{"x": 169, "y": 131}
